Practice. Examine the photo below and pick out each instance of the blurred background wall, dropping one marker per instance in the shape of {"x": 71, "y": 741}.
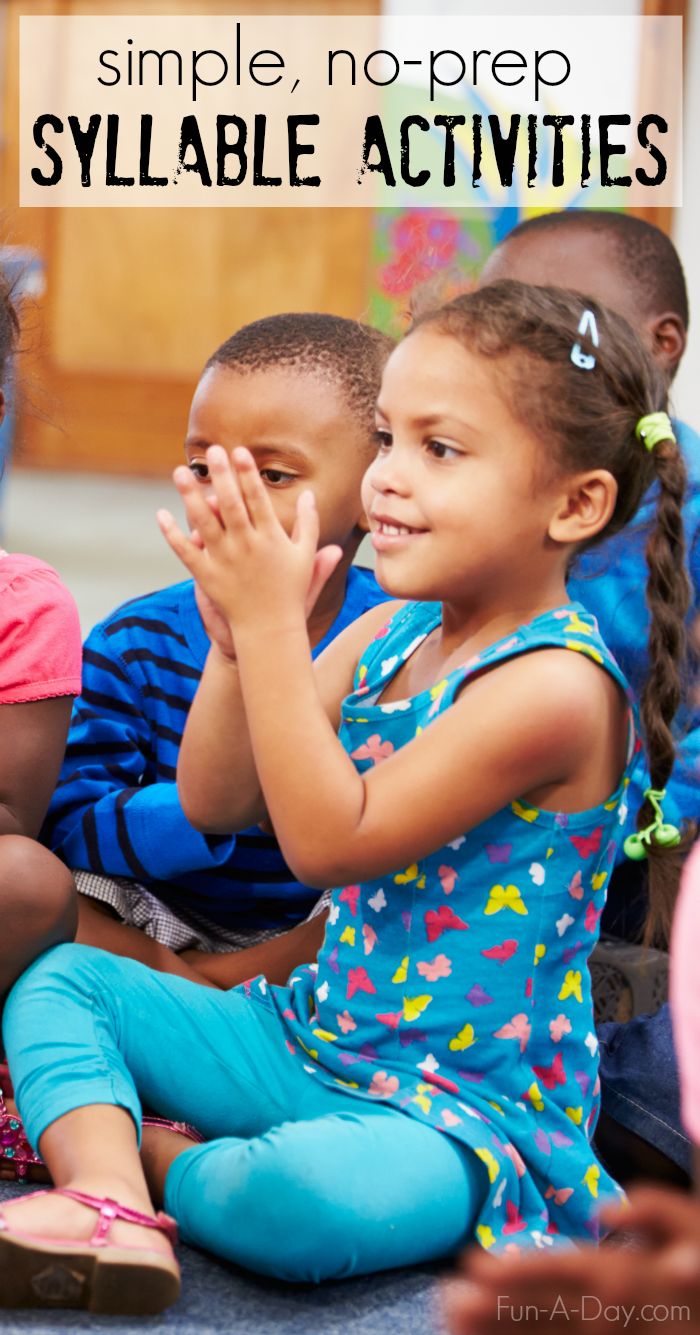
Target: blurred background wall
{"x": 137, "y": 299}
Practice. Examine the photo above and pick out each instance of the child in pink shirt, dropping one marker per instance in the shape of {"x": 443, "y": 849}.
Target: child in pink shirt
{"x": 685, "y": 995}
{"x": 40, "y": 655}
{"x": 39, "y": 633}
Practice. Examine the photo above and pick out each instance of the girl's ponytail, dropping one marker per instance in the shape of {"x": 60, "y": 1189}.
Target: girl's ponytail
{"x": 668, "y": 599}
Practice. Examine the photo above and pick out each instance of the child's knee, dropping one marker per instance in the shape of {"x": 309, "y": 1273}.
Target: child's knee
{"x": 62, "y": 975}
{"x": 304, "y": 1227}
{"x": 37, "y": 892}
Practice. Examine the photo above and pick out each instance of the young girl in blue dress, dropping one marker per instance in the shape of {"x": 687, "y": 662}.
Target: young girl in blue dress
{"x": 433, "y": 1078}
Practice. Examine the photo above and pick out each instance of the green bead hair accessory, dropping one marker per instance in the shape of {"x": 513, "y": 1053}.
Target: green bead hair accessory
{"x": 652, "y": 428}
{"x": 636, "y": 846}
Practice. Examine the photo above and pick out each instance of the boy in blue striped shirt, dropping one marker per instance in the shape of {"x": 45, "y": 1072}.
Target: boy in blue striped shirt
{"x": 299, "y": 391}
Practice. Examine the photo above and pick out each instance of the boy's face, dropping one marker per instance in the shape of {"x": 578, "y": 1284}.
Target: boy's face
{"x": 301, "y": 433}
{"x": 586, "y": 263}
{"x": 570, "y": 259}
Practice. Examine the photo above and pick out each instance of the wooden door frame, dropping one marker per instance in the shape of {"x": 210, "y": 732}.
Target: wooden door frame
{"x": 663, "y": 216}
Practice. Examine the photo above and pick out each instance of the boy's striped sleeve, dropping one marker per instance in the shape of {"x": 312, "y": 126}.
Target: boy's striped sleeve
{"x": 116, "y": 810}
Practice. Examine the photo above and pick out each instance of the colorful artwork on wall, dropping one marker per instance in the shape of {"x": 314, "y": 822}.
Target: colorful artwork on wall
{"x": 442, "y": 249}
{"x": 434, "y": 249}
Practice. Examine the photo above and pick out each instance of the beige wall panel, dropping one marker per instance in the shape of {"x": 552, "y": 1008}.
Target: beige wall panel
{"x": 156, "y": 290}
{"x": 203, "y": 7}
{"x": 137, "y": 299}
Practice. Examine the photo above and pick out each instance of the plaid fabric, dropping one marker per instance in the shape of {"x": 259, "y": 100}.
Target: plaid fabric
{"x": 321, "y": 905}
{"x": 139, "y": 907}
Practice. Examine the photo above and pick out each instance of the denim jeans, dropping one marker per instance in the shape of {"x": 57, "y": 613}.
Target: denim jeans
{"x": 639, "y": 1083}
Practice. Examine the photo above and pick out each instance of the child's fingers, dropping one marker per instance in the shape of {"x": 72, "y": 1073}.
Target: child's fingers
{"x": 526, "y": 1273}
{"x": 306, "y": 523}
{"x": 228, "y": 502}
{"x": 191, "y": 555}
{"x": 255, "y": 497}
{"x": 324, "y": 565}
{"x": 200, "y": 515}
{"x": 460, "y": 1305}
{"x": 658, "y": 1214}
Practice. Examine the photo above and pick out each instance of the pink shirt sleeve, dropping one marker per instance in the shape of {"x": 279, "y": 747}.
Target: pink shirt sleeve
{"x": 40, "y": 642}
{"x": 685, "y": 992}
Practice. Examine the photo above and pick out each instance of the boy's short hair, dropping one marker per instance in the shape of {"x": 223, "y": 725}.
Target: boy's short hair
{"x": 350, "y": 354}
{"x": 645, "y": 255}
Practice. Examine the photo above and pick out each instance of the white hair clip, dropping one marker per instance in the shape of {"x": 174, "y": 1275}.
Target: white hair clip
{"x": 586, "y": 325}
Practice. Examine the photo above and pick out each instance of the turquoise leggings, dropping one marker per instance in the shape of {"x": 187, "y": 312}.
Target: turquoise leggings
{"x": 297, "y": 1181}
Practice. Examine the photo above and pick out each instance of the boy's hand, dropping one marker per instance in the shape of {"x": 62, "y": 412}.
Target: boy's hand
{"x": 597, "y": 1291}
{"x": 215, "y": 624}
{"x": 244, "y": 563}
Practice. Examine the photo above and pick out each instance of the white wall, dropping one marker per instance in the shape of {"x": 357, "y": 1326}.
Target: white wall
{"x": 524, "y": 8}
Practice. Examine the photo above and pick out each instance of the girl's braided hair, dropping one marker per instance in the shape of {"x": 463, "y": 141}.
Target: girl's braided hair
{"x": 587, "y": 420}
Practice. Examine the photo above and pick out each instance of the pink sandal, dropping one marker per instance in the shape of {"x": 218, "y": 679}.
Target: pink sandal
{"x": 18, "y": 1157}
{"x": 96, "y": 1275}
{"x": 16, "y": 1153}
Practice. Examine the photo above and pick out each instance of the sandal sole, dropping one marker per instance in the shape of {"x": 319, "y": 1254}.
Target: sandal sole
{"x": 113, "y": 1282}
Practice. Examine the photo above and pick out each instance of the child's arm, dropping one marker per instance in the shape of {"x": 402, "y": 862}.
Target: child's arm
{"x": 216, "y": 774}
{"x": 33, "y": 737}
{"x": 499, "y": 741}
{"x": 40, "y": 655}
{"x": 105, "y": 815}
{"x": 216, "y": 770}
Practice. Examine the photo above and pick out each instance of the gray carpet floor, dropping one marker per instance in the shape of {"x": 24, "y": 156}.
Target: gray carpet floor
{"x": 218, "y": 1298}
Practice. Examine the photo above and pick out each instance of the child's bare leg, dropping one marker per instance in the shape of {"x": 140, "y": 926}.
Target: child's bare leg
{"x": 74, "y": 1150}
{"x": 37, "y": 905}
{"x": 160, "y": 1146}
{"x": 98, "y": 927}
{"x": 277, "y": 957}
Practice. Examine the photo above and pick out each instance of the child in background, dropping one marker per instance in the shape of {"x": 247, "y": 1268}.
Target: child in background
{"x": 634, "y": 268}
{"x": 39, "y": 673}
{"x": 434, "y": 1077}
{"x": 657, "y": 1280}
{"x": 299, "y": 391}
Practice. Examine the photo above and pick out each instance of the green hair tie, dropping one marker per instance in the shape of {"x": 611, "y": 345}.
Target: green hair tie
{"x": 636, "y": 846}
{"x": 652, "y": 428}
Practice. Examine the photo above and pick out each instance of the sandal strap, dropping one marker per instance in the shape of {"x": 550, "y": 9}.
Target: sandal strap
{"x": 16, "y": 1151}
{"x": 182, "y": 1128}
{"x": 109, "y": 1210}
